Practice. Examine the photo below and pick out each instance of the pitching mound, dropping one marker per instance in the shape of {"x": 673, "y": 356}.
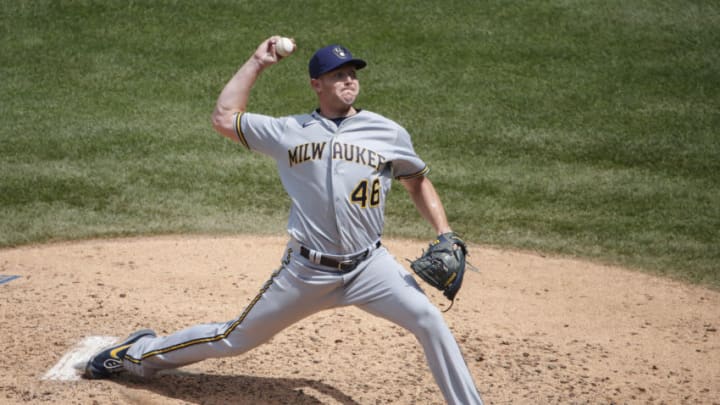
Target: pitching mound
{"x": 533, "y": 329}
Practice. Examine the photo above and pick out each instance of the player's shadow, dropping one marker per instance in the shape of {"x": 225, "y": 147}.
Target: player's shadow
{"x": 200, "y": 388}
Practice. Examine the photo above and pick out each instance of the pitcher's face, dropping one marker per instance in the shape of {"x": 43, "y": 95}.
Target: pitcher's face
{"x": 340, "y": 86}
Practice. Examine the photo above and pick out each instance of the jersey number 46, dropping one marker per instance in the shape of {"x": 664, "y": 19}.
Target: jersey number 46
{"x": 366, "y": 194}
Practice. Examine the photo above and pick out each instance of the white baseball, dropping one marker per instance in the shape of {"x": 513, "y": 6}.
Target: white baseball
{"x": 284, "y": 46}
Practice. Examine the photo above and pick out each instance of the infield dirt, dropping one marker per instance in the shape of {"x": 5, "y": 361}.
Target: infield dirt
{"x": 533, "y": 329}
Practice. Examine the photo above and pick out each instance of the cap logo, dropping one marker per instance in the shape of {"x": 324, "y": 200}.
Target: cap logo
{"x": 339, "y": 52}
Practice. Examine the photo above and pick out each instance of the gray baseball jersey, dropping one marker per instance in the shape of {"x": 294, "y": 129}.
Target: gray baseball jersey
{"x": 337, "y": 176}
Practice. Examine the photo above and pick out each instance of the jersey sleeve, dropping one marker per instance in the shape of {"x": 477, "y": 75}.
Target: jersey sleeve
{"x": 406, "y": 164}
{"x": 260, "y": 133}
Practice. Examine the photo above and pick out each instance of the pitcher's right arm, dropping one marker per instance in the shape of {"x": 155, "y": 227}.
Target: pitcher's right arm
{"x": 233, "y": 99}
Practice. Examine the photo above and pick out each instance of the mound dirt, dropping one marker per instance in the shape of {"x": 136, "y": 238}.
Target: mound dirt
{"x": 533, "y": 329}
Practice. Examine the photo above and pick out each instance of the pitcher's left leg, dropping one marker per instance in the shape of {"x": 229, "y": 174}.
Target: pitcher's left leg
{"x": 385, "y": 289}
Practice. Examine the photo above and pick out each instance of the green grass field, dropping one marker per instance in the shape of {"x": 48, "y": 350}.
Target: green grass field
{"x": 584, "y": 128}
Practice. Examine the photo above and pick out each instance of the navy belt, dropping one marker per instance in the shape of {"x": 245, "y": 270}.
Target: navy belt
{"x": 347, "y": 264}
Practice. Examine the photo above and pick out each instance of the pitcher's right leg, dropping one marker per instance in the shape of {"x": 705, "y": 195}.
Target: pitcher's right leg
{"x": 283, "y": 300}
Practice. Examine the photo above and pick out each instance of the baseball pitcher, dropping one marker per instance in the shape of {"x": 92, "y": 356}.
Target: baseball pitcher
{"x": 337, "y": 164}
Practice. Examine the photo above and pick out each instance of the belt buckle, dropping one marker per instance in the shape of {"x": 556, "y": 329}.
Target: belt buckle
{"x": 348, "y": 263}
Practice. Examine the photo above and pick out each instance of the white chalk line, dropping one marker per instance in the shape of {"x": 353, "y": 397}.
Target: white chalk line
{"x": 70, "y": 366}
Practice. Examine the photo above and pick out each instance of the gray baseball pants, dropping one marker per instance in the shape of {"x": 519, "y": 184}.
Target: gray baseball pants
{"x": 379, "y": 285}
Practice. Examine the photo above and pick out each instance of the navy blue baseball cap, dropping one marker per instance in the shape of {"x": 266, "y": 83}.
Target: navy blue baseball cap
{"x": 330, "y": 58}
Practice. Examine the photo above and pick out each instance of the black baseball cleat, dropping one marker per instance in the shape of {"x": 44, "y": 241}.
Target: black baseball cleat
{"x": 109, "y": 361}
